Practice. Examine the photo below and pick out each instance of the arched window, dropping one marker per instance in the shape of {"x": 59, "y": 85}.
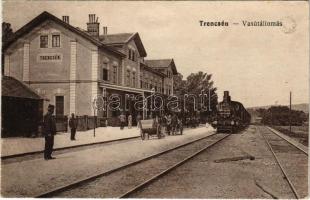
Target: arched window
{"x": 128, "y": 77}
{"x": 114, "y": 74}
{"x": 141, "y": 80}
{"x": 105, "y": 72}
{"x": 133, "y": 79}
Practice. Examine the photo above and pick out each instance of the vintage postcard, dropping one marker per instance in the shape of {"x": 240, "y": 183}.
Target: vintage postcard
{"x": 155, "y": 99}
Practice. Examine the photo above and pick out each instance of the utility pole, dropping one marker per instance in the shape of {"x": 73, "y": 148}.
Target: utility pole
{"x": 94, "y": 107}
{"x": 290, "y": 111}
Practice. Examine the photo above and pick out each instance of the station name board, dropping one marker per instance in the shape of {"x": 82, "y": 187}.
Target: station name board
{"x": 49, "y": 57}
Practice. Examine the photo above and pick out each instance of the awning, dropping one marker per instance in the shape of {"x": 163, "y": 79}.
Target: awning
{"x": 11, "y": 87}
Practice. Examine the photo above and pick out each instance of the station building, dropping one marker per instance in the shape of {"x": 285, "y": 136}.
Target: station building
{"x": 69, "y": 67}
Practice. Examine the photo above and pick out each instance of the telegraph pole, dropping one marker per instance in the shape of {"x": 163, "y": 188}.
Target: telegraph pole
{"x": 290, "y": 111}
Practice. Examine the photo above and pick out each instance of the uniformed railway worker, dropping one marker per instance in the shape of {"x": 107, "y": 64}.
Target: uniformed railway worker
{"x": 49, "y": 130}
{"x": 73, "y": 123}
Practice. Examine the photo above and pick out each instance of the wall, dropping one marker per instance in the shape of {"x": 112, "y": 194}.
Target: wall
{"x": 16, "y": 63}
{"x": 111, "y": 60}
{"x": 51, "y": 78}
{"x": 132, "y": 64}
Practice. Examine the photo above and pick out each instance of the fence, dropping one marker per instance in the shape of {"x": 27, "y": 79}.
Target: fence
{"x": 86, "y": 122}
{"x": 61, "y": 123}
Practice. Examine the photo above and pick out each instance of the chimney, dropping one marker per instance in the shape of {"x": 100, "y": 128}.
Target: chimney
{"x": 93, "y": 26}
{"x": 65, "y": 19}
{"x": 226, "y": 97}
{"x": 105, "y": 30}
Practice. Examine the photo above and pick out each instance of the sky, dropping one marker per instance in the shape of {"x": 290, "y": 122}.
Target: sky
{"x": 258, "y": 65}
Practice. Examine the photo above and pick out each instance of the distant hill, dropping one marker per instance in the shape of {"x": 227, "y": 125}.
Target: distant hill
{"x": 303, "y": 107}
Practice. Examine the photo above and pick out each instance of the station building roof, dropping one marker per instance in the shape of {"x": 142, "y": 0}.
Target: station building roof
{"x": 162, "y": 63}
{"x": 123, "y": 38}
{"x": 47, "y": 16}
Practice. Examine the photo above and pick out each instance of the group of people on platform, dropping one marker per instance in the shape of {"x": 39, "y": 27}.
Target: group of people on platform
{"x": 169, "y": 121}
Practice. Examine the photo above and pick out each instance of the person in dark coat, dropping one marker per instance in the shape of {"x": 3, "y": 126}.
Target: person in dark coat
{"x": 174, "y": 121}
{"x": 122, "y": 119}
{"x": 49, "y": 130}
{"x": 73, "y": 123}
{"x": 168, "y": 124}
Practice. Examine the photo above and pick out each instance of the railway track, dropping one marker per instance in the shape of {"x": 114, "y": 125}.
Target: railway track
{"x": 124, "y": 181}
{"x": 291, "y": 159}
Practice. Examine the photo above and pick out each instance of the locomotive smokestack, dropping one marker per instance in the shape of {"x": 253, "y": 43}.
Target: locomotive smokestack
{"x": 226, "y": 97}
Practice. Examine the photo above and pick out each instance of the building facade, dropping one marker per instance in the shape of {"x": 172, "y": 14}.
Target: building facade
{"x": 70, "y": 67}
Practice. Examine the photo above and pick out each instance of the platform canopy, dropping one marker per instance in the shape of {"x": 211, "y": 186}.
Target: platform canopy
{"x": 12, "y": 87}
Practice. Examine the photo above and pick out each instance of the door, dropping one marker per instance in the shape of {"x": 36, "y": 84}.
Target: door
{"x": 59, "y": 106}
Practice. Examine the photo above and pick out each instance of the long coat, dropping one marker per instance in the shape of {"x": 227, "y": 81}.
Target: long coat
{"x": 73, "y": 123}
{"x": 49, "y": 125}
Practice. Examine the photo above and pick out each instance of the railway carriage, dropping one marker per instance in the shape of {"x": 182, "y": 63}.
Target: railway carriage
{"x": 231, "y": 115}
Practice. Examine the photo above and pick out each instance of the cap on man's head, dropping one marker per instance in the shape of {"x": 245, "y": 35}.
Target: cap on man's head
{"x": 50, "y": 106}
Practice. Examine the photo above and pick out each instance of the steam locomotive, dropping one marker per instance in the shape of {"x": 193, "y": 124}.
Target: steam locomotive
{"x": 231, "y": 115}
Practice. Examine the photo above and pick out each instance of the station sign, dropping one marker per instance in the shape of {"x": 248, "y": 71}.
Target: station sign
{"x": 49, "y": 57}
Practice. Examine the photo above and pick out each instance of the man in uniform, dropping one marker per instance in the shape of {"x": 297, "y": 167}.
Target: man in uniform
{"x": 49, "y": 130}
{"x": 73, "y": 126}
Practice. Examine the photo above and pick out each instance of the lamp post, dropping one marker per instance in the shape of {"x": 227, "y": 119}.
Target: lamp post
{"x": 151, "y": 98}
{"x": 290, "y": 121}
{"x": 94, "y": 108}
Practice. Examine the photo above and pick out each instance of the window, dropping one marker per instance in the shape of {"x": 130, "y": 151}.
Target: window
{"x": 133, "y": 79}
{"x": 141, "y": 81}
{"x": 59, "y": 105}
{"x": 169, "y": 74}
{"x": 104, "y": 74}
{"x": 56, "y": 41}
{"x": 128, "y": 77}
{"x": 146, "y": 84}
{"x": 131, "y": 54}
{"x": 43, "y": 41}
{"x": 114, "y": 77}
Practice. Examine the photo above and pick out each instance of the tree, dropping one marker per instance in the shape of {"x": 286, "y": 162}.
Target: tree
{"x": 281, "y": 115}
{"x": 197, "y": 84}
{"x": 7, "y": 32}
{"x": 179, "y": 84}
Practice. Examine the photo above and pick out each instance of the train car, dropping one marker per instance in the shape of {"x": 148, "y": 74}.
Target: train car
{"x": 231, "y": 115}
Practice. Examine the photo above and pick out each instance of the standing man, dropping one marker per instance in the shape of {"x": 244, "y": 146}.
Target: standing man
{"x": 49, "y": 130}
{"x": 122, "y": 119}
{"x": 129, "y": 121}
{"x": 73, "y": 125}
{"x": 168, "y": 123}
